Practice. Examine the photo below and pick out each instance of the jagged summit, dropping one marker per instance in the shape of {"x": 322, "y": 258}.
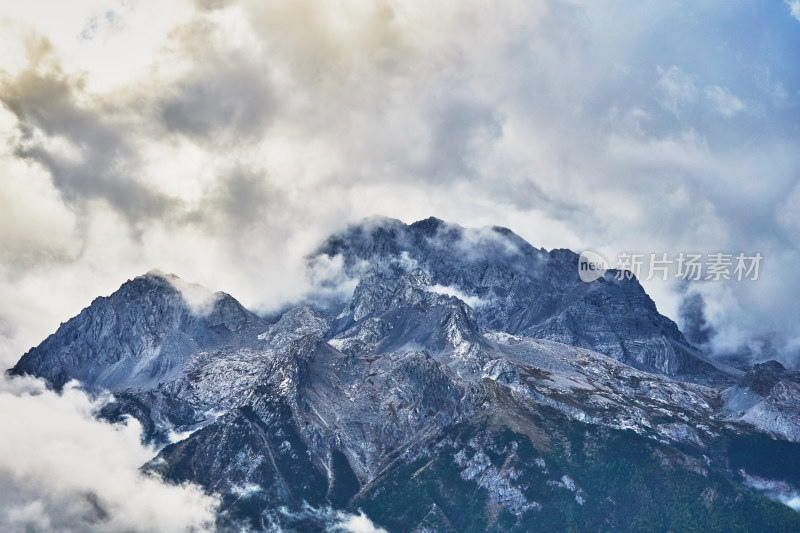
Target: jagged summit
{"x": 144, "y": 332}
{"x": 384, "y": 238}
{"x": 529, "y": 291}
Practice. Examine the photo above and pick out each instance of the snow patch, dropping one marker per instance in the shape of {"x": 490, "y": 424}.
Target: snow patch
{"x": 245, "y": 490}
{"x": 332, "y": 520}
{"x": 177, "y": 436}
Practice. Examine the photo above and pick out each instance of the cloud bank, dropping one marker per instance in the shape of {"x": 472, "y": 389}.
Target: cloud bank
{"x": 63, "y": 470}
{"x": 223, "y": 140}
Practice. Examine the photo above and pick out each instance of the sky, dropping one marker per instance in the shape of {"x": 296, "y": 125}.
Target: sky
{"x": 222, "y": 140}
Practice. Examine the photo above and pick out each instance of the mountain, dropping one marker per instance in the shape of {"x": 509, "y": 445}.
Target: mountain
{"x": 142, "y": 334}
{"x": 768, "y": 397}
{"x": 470, "y": 382}
{"x": 522, "y": 290}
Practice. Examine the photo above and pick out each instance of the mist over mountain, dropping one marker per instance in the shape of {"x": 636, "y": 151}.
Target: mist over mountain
{"x": 466, "y": 381}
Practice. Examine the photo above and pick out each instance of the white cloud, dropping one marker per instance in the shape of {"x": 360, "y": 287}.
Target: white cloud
{"x": 777, "y": 490}
{"x": 722, "y": 101}
{"x": 788, "y": 213}
{"x": 472, "y": 301}
{"x": 794, "y": 8}
{"x": 61, "y": 470}
{"x": 677, "y": 88}
{"x": 199, "y": 299}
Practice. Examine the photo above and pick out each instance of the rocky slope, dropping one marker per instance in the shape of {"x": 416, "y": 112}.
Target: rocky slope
{"x": 470, "y": 383}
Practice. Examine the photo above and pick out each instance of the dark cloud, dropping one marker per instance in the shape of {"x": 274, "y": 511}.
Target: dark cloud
{"x": 247, "y": 198}
{"x": 229, "y": 96}
{"x": 693, "y": 320}
{"x": 462, "y": 132}
{"x": 212, "y": 4}
{"x": 242, "y": 201}
{"x": 95, "y": 158}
